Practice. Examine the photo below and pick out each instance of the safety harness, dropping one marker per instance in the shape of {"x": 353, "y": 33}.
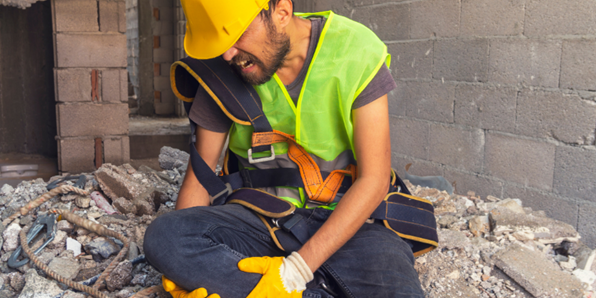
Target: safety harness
{"x": 410, "y": 217}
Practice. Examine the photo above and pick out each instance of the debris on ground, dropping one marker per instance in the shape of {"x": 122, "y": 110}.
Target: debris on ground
{"x": 488, "y": 248}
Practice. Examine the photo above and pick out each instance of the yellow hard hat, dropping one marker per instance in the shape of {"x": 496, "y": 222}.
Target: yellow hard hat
{"x": 214, "y": 26}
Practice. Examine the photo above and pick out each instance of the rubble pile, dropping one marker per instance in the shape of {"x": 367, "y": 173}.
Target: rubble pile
{"x": 488, "y": 247}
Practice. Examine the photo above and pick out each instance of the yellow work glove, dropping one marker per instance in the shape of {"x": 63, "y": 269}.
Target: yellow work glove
{"x": 282, "y": 277}
{"x": 178, "y": 292}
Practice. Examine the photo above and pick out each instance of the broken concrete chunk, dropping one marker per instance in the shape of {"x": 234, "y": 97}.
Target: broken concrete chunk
{"x": 120, "y": 277}
{"x": 116, "y": 183}
{"x": 479, "y": 225}
{"x": 450, "y": 239}
{"x": 6, "y": 190}
{"x": 512, "y": 204}
{"x": 124, "y": 206}
{"x": 585, "y": 276}
{"x": 143, "y": 207}
{"x": 59, "y": 240}
{"x": 68, "y": 268}
{"x": 11, "y": 237}
{"x": 38, "y": 287}
{"x": 584, "y": 257}
{"x": 83, "y": 202}
{"x": 65, "y": 226}
{"x": 171, "y": 158}
{"x": 536, "y": 274}
{"x": 17, "y": 281}
{"x": 74, "y": 246}
{"x": 101, "y": 248}
{"x": 70, "y": 294}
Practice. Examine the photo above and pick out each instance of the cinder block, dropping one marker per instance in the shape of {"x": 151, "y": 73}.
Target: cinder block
{"x": 116, "y": 150}
{"x": 77, "y": 155}
{"x": 109, "y": 19}
{"x": 164, "y": 108}
{"x": 73, "y": 84}
{"x": 166, "y": 14}
{"x": 457, "y": 146}
{"x": 162, "y": 83}
{"x": 411, "y": 60}
{"x": 486, "y": 107}
{"x": 483, "y": 186}
{"x": 435, "y": 18}
{"x": 410, "y": 137}
{"x": 164, "y": 69}
{"x": 123, "y": 85}
{"x": 92, "y": 119}
{"x": 586, "y": 225}
{"x": 389, "y": 22}
{"x": 461, "y": 60}
{"x": 91, "y": 50}
{"x": 397, "y": 104}
{"x": 162, "y": 55}
{"x": 567, "y": 118}
{"x": 555, "y": 206}
{"x": 578, "y": 65}
{"x": 167, "y": 42}
{"x": 526, "y": 62}
{"x": 492, "y": 17}
{"x": 372, "y": 2}
{"x": 162, "y": 3}
{"x": 429, "y": 100}
{"x": 163, "y": 28}
{"x": 419, "y": 167}
{"x": 525, "y": 162}
{"x": 575, "y": 172}
{"x": 122, "y": 17}
{"x": 560, "y": 17}
{"x": 110, "y": 85}
{"x": 75, "y": 15}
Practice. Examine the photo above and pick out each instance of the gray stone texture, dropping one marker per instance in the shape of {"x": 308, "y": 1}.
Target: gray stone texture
{"x": 483, "y": 186}
{"x": 492, "y": 17}
{"x": 90, "y": 50}
{"x": 526, "y": 162}
{"x": 76, "y": 155}
{"x": 75, "y": 15}
{"x": 410, "y": 137}
{"x": 486, "y": 107}
{"x": 372, "y": 2}
{"x": 578, "y": 65}
{"x": 39, "y": 287}
{"x": 429, "y": 100}
{"x": 396, "y": 100}
{"x": 575, "y": 172}
{"x": 586, "y": 225}
{"x": 73, "y": 84}
{"x": 461, "y": 60}
{"x": 411, "y": 60}
{"x": 419, "y": 167}
{"x": 434, "y": 18}
{"x": 554, "y": 206}
{"x": 458, "y": 147}
{"x": 92, "y": 119}
{"x": 560, "y": 17}
{"x": 116, "y": 150}
{"x": 389, "y": 22}
{"x": 525, "y": 61}
{"x": 566, "y": 118}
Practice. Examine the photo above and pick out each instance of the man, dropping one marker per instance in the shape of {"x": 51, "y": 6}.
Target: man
{"x": 322, "y": 78}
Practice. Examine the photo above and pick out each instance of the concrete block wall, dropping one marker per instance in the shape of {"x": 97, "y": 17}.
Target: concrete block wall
{"x": 498, "y": 96}
{"x": 164, "y": 47}
{"x": 90, "y": 79}
{"x": 132, "y": 44}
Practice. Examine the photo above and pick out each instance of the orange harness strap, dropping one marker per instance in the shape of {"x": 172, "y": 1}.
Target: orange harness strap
{"x": 316, "y": 188}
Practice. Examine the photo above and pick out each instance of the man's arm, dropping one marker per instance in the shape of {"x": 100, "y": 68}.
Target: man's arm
{"x": 373, "y": 152}
{"x": 209, "y": 145}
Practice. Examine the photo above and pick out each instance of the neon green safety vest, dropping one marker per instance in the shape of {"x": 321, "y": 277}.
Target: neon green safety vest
{"x": 347, "y": 57}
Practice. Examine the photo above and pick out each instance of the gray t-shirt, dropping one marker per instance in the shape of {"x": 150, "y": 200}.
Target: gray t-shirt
{"x": 207, "y": 114}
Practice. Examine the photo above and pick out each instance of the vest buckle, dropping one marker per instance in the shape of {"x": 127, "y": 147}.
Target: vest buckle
{"x": 262, "y": 159}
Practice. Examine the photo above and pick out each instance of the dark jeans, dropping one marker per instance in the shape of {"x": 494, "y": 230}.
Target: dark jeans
{"x": 201, "y": 247}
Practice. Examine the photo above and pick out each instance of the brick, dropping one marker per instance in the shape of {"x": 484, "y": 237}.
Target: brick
{"x": 461, "y": 60}
{"x": 410, "y": 137}
{"x": 108, "y": 16}
{"x": 492, "y": 17}
{"x": 411, "y": 60}
{"x": 75, "y": 15}
{"x": 526, "y": 62}
{"x": 419, "y": 167}
{"x": 554, "y": 206}
{"x": 486, "y": 107}
{"x": 578, "y": 65}
{"x": 567, "y": 118}
{"x": 167, "y": 104}
{"x": 116, "y": 150}
{"x": 73, "y": 84}
{"x": 587, "y": 223}
{"x": 526, "y": 162}
{"x": 76, "y": 155}
{"x": 560, "y": 17}
{"x": 110, "y": 85}
{"x": 459, "y": 147}
{"x": 483, "y": 186}
{"x": 163, "y": 55}
{"x": 435, "y": 18}
{"x": 389, "y": 22}
{"x": 91, "y": 50}
{"x": 575, "y": 172}
{"x": 397, "y": 104}
{"x": 92, "y": 119}
{"x": 429, "y": 100}
{"x": 163, "y": 28}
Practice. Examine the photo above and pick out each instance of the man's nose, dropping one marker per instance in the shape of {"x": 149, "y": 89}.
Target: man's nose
{"x": 229, "y": 54}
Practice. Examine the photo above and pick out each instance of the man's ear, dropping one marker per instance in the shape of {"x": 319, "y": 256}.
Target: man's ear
{"x": 283, "y": 12}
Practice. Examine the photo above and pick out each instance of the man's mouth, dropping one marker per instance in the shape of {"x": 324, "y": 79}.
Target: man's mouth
{"x": 245, "y": 64}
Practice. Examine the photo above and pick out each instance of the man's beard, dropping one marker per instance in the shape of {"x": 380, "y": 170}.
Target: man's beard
{"x": 277, "y": 48}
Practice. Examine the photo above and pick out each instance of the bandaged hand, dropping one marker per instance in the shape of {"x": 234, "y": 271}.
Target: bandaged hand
{"x": 178, "y": 292}
{"x": 282, "y": 277}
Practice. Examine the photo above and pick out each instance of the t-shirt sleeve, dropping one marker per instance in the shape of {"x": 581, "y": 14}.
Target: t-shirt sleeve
{"x": 380, "y": 85}
{"x": 207, "y": 114}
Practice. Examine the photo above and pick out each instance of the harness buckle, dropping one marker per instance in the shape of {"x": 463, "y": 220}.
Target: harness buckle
{"x": 262, "y": 159}
{"x": 225, "y": 192}
{"x": 47, "y": 221}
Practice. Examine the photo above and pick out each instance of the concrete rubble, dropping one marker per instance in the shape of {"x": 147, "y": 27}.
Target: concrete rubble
{"x": 489, "y": 247}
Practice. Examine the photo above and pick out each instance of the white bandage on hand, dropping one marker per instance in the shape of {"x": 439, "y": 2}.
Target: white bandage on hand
{"x": 295, "y": 273}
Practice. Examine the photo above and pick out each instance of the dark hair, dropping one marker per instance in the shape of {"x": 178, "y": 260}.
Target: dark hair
{"x": 266, "y": 14}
